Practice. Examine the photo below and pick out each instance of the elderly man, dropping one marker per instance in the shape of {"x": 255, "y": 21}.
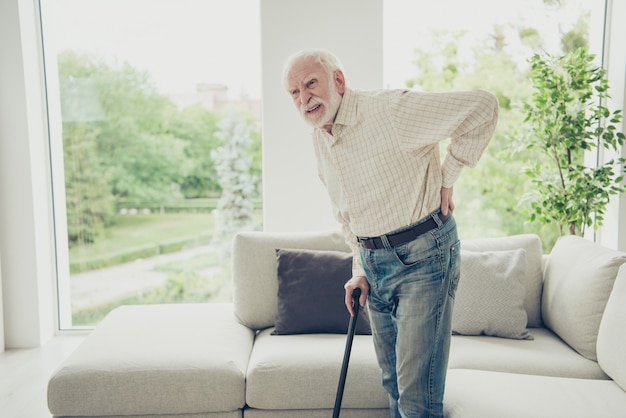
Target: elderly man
{"x": 378, "y": 156}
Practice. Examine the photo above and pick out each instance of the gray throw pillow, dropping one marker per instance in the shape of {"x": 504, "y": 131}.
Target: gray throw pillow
{"x": 490, "y": 295}
{"x": 311, "y": 294}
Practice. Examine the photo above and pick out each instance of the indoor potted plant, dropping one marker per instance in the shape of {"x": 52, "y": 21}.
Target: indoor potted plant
{"x": 565, "y": 118}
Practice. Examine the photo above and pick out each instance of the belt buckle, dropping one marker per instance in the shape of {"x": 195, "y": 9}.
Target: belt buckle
{"x": 369, "y": 243}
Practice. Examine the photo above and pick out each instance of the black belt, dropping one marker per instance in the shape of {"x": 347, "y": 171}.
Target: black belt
{"x": 402, "y": 236}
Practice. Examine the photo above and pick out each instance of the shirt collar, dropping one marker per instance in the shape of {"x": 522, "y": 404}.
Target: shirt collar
{"x": 347, "y": 113}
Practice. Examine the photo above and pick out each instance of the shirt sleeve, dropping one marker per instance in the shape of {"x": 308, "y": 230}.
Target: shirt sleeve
{"x": 351, "y": 240}
{"x": 468, "y": 118}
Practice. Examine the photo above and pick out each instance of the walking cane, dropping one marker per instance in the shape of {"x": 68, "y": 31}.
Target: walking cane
{"x": 356, "y": 293}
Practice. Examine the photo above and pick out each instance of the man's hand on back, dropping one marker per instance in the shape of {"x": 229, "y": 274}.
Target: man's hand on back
{"x": 446, "y": 201}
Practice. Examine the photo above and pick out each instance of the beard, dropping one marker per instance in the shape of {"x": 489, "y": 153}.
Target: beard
{"x": 329, "y": 107}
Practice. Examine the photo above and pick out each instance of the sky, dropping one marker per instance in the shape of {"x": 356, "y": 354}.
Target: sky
{"x": 409, "y": 24}
{"x": 179, "y": 42}
{"x": 185, "y": 42}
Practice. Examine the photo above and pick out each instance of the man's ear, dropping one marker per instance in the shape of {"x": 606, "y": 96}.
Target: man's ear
{"x": 340, "y": 81}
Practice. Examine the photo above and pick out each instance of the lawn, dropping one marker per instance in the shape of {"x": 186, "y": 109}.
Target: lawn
{"x": 142, "y": 235}
{"x": 199, "y": 279}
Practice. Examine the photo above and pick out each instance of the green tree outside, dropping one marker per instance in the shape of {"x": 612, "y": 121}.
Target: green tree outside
{"x": 491, "y": 195}
{"x": 127, "y": 146}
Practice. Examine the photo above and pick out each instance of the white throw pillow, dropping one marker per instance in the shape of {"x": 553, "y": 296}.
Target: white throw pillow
{"x": 578, "y": 281}
{"x": 490, "y": 295}
{"x": 612, "y": 333}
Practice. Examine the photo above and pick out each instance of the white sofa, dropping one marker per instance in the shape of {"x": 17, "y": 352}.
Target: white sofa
{"x": 564, "y": 355}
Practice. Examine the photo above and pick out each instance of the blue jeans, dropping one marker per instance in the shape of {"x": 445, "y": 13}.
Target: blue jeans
{"x": 410, "y": 304}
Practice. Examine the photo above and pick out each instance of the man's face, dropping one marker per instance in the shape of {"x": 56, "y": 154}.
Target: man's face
{"x": 316, "y": 97}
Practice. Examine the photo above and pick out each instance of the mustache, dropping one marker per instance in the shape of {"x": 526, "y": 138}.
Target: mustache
{"x": 315, "y": 101}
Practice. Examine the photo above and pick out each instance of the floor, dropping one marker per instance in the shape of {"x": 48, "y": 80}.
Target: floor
{"x": 24, "y": 375}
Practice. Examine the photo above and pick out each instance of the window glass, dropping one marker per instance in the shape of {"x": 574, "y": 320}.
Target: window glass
{"x": 159, "y": 152}
{"x": 160, "y": 109}
{"x": 487, "y": 44}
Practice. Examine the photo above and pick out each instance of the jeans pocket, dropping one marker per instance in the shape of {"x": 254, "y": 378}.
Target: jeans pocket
{"x": 420, "y": 250}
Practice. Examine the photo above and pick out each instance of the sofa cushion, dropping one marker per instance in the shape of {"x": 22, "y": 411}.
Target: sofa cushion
{"x": 611, "y": 345}
{"x": 579, "y": 277}
{"x": 545, "y": 355}
{"x": 483, "y": 394}
{"x": 157, "y": 359}
{"x": 255, "y": 282}
{"x": 532, "y": 279}
{"x": 302, "y": 372}
{"x": 490, "y": 295}
{"x": 316, "y": 413}
{"x": 311, "y": 297}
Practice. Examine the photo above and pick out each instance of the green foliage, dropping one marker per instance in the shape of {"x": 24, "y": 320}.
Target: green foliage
{"x": 126, "y": 145}
{"x": 440, "y": 65}
{"x": 577, "y": 37}
{"x": 197, "y": 127}
{"x": 141, "y": 236}
{"x": 233, "y": 161}
{"x": 200, "y": 279}
{"x": 565, "y": 119}
{"x": 89, "y": 204}
{"x": 487, "y": 197}
{"x": 492, "y": 199}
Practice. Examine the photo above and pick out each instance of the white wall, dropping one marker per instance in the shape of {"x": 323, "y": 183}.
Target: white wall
{"x": 1, "y": 311}
{"x": 294, "y": 198}
{"x": 613, "y": 235}
{"x": 25, "y": 210}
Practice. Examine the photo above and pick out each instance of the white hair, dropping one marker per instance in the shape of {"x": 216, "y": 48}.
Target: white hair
{"x": 329, "y": 61}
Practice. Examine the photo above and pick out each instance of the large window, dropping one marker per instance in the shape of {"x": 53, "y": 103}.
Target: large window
{"x": 487, "y": 44}
{"x": 157, "y": 160}
{"x": 156, "y": 156}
